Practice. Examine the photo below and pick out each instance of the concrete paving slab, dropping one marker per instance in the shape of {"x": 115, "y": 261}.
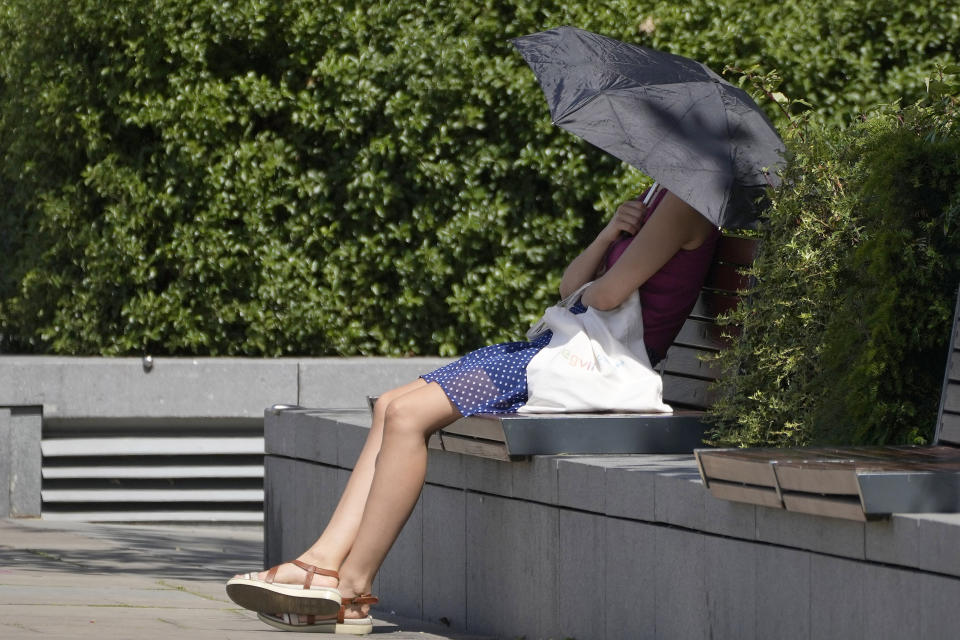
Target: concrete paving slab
{"x": 92, "y": 592}
{"x": 80, "y": 580}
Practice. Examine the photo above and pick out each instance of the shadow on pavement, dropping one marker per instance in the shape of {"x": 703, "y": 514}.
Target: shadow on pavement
{"x": 177, "y": 552}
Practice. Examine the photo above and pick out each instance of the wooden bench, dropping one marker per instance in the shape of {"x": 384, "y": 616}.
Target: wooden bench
{"x": 857, "y": 483}
{"x": 686, "y": 387}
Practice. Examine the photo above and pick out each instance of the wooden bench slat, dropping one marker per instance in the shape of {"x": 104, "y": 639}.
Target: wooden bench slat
{"x": 735, "y": 469}
{"x": 479, "y": 426}
{"x": 739, "y": 250}
{"x": 954, "y": 371}
{"x": 828, "y": 480}
{"x": 701, "y": 334}
{"x": 689, "y": 392}
{"x": 950, "y": 429}
{"x": 831, "y": 506}
{"x": 951, "y": 402}
{"x": 763, "y": 496}
{"x": 686, "y": 361}
{"x": 726, "y": 277}
{"x": 475, "y": 447}
{"x": 710, "y": 304}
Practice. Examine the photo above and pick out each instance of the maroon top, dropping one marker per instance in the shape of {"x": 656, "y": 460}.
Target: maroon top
{"x": 668, "y": 296}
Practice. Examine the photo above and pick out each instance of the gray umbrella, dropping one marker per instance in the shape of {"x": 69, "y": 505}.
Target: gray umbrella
{"x": 671, "y": 117}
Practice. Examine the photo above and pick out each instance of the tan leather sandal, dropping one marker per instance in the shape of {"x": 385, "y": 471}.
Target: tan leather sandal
{"x": 316, "y": 624}
{"x": 250, "y": 592}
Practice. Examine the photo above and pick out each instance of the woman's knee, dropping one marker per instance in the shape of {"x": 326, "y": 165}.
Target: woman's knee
{"x": 419, "y": 413}
{"x": 400, "y": 417}
{"x": 380, "y": 406}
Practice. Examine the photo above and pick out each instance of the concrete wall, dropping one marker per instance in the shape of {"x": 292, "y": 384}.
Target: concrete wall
{"x": 616, "y": 547}
{"x": 20, "y": 461}
{"x": 223, "y": 391}
{"x": 235, "y": 388}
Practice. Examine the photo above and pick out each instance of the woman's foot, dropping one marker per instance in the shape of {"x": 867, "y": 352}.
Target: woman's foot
{"x": 294, "y": 587}
{"x": 357, "y": 607}
{"x": 291, "y": 574}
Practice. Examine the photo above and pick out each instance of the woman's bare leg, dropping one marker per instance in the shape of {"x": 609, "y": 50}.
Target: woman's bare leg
{"x": 401, "y": 468}
{"x": 338, "y": 536}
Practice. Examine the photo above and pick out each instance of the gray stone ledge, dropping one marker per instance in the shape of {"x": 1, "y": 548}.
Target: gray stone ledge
{"x": 616, "y": 547}
{"x": 94, "y": 388}
{"x": 351, "y": 380}
{"x": 653, "y": 489}
{"x": 925, "y": 541}
{"x": 122, "y": 387}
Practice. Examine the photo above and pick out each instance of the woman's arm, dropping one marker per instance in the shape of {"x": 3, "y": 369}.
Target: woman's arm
{"x": 584, "y": 267}
{"x": 674, "y": 226}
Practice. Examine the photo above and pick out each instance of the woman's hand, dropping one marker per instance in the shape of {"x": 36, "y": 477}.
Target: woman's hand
{"x": 674, "y": 226}
{"x": 627, "y": 219}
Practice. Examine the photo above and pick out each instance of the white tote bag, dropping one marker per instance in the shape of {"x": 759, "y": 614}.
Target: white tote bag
{"x": 596, "y": 361}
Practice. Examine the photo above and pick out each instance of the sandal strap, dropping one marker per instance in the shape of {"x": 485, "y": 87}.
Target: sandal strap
{"x": 363, "y": 598}
{"x": 271, "y": 574}
{"x": 309, "y": 568}
{"x": 312, "y": 571}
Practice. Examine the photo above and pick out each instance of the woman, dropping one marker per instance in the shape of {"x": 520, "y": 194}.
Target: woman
{"x": 663, "y": 249}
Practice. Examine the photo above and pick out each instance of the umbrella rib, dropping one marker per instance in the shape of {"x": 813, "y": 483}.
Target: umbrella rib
{"x": 581, "y": 105}
{"x": 730, "y": 158}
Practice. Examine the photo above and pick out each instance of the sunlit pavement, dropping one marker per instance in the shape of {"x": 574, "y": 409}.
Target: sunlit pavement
{"x": 80, "y": 580}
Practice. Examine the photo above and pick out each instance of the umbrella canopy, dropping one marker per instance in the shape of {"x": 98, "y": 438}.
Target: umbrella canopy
{"x": 671, "y": 117}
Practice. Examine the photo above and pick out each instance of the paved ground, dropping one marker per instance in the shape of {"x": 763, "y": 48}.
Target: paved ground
{"x": 76, "y": 581}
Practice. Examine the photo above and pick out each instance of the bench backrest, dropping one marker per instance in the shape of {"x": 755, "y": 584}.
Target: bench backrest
{"x": 686, "y": 376}
{"x": 948, "y": 419}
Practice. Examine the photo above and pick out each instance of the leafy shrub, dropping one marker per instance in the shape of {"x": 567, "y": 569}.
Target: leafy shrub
{"x": 265, "y": 178}
{"x": 845, "y": 334}
{"x": 844, "y": 56}
{"x": 270, "y": 178}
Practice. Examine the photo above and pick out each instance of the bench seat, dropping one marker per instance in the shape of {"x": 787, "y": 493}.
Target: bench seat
{"x": 855, "y": 483}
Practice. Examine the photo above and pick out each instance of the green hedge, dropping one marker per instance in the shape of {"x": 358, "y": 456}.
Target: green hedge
{"x": 268, "y": 178}
{"x": 845, "y": 334}
{"x": 274, "y": 178}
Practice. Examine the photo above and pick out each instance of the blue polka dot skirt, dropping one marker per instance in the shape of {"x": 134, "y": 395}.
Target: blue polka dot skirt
{"x": 491, "y": 379}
